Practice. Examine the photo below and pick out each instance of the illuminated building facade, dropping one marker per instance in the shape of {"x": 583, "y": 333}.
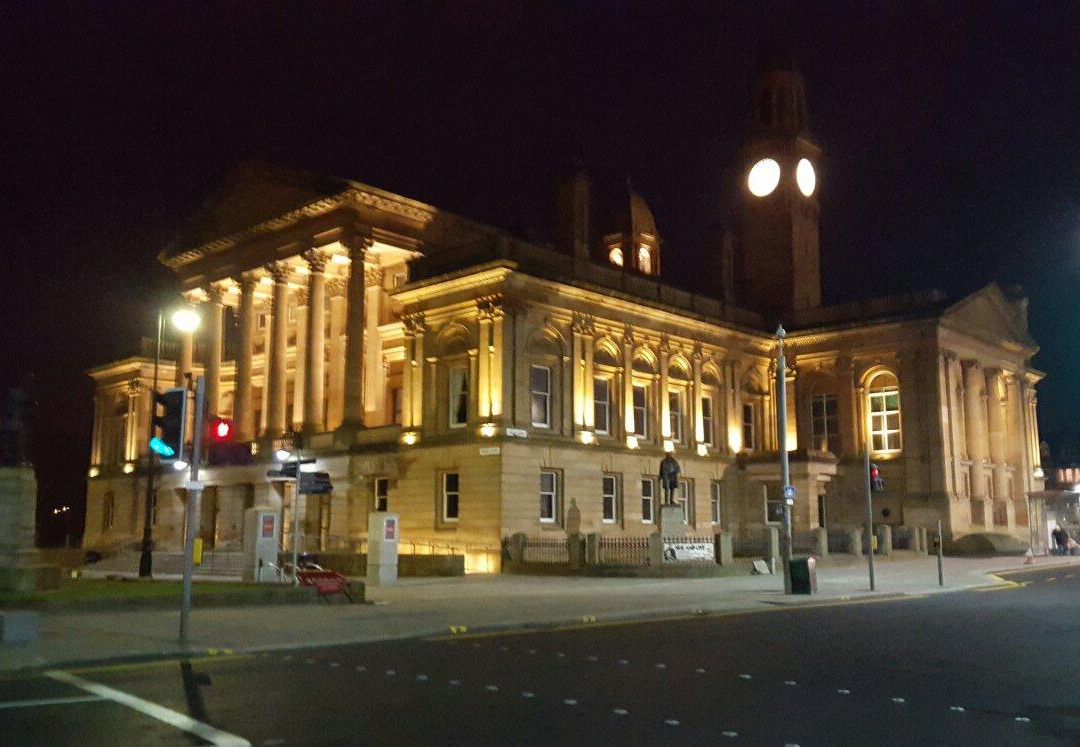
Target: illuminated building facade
{"x": 480, "y": 384}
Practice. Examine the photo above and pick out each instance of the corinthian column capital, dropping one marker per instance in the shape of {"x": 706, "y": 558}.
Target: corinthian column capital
{"x": 279, "y": 271}
{"x": 316, "y": 260}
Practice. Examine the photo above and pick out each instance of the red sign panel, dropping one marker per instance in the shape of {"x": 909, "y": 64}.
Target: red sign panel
{"x": 391, "y": 528}
{"x": 268, "y": 526}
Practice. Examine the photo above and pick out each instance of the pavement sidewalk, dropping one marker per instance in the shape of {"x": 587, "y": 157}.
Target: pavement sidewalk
{"x": 419, "y": 607}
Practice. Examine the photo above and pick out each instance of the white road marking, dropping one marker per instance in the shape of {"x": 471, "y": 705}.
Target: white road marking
{"x": 334, "y": 664}
{"x": 661, "y": 665}
{"x": 745, "y": 677}
{"x": 532, "y": 650}
{"x": 898, "y": 700}
{"x": 789, "y": 683}
{"x": 699, "y": 670}
{"x": 560, "y": 654}
{"x": 528, "y": 694}
{"x": 50, "y": 701}
{"x": 1022, "y": 719}
{"x": 593, "y": 658}
{"x": 492, "y": 688}
{"x": 620, "y": 711}
{"x": 503, "y": 648}
{"x": 153, "y": 710}
{"x": 390, "y": 672}
{"x": 623, "y": 662}
{"x": 730, "y": 734}
{"x": 671, "y": 721}
{"x": 421, "y": 677}
{"x": 361, "y": 669}
{"x": 958, "y": 709}
{"x": 570, "y": 701}
{"x": 455, "y": 683}
{"x": 843, "y": 691}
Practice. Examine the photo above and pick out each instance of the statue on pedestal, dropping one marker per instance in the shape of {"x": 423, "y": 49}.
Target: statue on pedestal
{"x": 669, "y": 478}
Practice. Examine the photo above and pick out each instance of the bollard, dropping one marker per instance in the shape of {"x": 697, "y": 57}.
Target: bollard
{"x": 592, "y": 549}
{"x": 725, "y": 551}
{"x": 885, "y": 541}
{"x": 821, "y": 542}
{"x": 575, "y": 550}
{"x": 855, "y": 540}
{"x": 656, "y": 550}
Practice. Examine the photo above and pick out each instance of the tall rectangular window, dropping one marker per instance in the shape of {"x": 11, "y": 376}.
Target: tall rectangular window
{"x": 451, "y": 497}
{"x": 549, "y": 496}
{"x": 609, "y": 495}
{"x": 748, "y": 429}
{"x": 646, "y": 500}
{"x": 885, "y": 418}
{"x": 395, "y": 405}
{"x": 382, "y": 493}
{"x": 707, "y": 419}
{"x": 825, "y": 422}
{"x": 715, "y": 495}
{"x": 108, "y": 511}
{"x": 540, "y": 392}
{"x": 685, "y": 495}
{"x": 675, "y": 415}
{"x": 641, "y": 410}
{"x": 459, "y": 397}
{"x": 602, "y": 405}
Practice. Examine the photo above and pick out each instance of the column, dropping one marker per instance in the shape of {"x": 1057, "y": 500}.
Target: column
{"x": 498, "y": 359}
{"x": 336, "y": 369}
{"x": 409, "y": 390}
{"x": 628, "y": 382}
{"x": 587, "y": 341}
{"x": 300, "y": 304}
{"x": 665, "y": 405}
{"x": 695, "y": 400}
{"x": 275, "y": 418}
{"x": 99, "y": 420}
{"x": 374, "y": 372}
{"x": 995, "y": 412}
{"x": 315, "y": 374}
{"x": 354, "y": 331}
{"x": 1015, "y": 449}
{"x": 243, "y": 406}
{"x": 577, "y": 363}
{"x": 949, "y": 419}
{"x": 130, "y": 426}
{"x": 212, "y": 318}
{"x": 485, "y": 348}
{"x": 977, "y": 442}
{"x": 268, "y": 344}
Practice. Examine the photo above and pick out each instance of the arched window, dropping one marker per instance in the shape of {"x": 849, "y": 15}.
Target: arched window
{"x": 616, "y": 256}
{"x": 883, "y": 404}
{"x": 644, "y": 255}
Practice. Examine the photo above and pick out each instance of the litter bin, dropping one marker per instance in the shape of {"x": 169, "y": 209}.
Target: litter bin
{"x": 803, "y": 576}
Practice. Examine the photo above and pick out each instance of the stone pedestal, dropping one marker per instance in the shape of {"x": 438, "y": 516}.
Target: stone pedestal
{"x": 672, "y": 521}
{"x": 20, "y": 569}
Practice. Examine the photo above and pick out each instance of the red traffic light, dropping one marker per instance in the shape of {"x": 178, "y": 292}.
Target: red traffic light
{"x": 875, "y": 473}
{"x": 221, "y": 429}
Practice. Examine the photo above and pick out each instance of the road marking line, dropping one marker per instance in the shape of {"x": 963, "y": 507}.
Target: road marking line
{"x": 745, "y": 677}
{"x": 898, "y": 700}
{"x": 624, "y": 662}
{"x": 844, "y": 691}
{"x": 361, "y": 669}
{"x": 958, "y": 709}
{"x": 528, "y": 694}
{"x": 593, "y": 658}
{"x": 390, "y": 672}
{"x": 492, "y": 688}
{"x": 1052, "y": 578}
{"x": 671, "y": 721}
{"x": 620, "y": 711}
{"x": 699, "y": 670}
{"x": 789, "y": 683}
{"x": 334, "y": 664}
{"x": 421, "y": 677}
{"x": 532, "y": 651}
{"x": 661, "y": 666}
{"x": 1022, "y": 719}
{"x": 570, "y": 701}
{"x": 50, "y": 701}
{"x": 153, "y": 710}
{"x": 730, "y": 734}
{"x": 455, "y": 683}
{"x": 561, "y": 655}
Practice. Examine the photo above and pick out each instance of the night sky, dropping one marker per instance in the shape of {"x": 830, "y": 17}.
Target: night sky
{"x": 951, "y": 138}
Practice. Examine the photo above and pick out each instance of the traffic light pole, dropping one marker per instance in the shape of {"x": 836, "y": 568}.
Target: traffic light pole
{"x": 146, "y": 558}
{"x": 194, "y": 496}
{"x": 869, "y": 518}
{"x": 785, "y": 468}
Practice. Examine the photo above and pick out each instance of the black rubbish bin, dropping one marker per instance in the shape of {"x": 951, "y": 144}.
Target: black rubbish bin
{"x": 803, "y": 576}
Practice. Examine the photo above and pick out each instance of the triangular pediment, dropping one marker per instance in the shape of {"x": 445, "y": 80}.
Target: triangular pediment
{"x": 987, "y": 314}
{"x": 252, "y": 193}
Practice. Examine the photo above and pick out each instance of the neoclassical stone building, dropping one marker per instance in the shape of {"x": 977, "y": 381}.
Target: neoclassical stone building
{"x": 480, "y": 384}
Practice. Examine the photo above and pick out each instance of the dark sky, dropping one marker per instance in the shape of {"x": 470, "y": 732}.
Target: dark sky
{"x": 951, "y": 136}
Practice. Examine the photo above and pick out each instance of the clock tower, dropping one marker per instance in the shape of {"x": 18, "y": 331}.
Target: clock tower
{"x": 778, "y": 267}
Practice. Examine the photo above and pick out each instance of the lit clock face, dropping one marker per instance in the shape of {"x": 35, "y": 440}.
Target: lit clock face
{"x": 763, "y": 177}
{"x": 805, "y": 177}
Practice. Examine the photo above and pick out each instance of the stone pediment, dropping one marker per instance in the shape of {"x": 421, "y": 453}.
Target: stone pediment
{"x": 252, "y": 193}
{"x": 989, "y": 315}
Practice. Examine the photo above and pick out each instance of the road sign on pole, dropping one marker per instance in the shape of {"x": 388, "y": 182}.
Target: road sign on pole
{"x": 314, "y": 482}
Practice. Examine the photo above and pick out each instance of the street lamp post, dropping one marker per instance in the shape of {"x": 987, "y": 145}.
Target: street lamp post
{"x": 146, "y": 558}
{"x": 194, "y": 495}
{"x": 785, "y": 468}
{"x": 186, "y": 320}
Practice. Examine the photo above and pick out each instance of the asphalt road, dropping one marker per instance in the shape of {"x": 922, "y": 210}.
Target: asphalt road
{"x": 978, "y": 667}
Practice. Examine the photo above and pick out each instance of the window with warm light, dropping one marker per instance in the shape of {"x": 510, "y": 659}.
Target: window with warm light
{"x": 382, "y": 493}
{"x": 644, "y": 259}
{"x": 884, "y": 401}
{"x": 615, "y": 255}
{"x": 707, "y": 420}
{"x": 685, "y": 495}
{"x": 641, "y": 410}
{"x": 459, "y": 396}
{"x": 763, "y": 178}
{"x": 675, "y": 415}
{"x": 825, "y": 422}
{"x": 748, "y": 427}
{"x": 715, "y": 496}
{"x": 602, "y": 405}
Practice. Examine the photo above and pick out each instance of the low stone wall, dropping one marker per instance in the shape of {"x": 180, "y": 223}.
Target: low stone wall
{"x": 355, "y": 564}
